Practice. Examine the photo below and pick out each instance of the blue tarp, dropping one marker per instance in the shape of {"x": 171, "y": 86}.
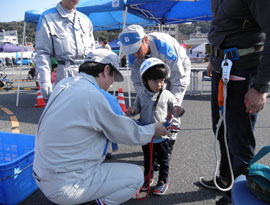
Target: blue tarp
{"x": 160, "y": 11}
{"x": 106, "y": 20}
{"x": 115, "y": 44}
{"x": 7, "y": 47}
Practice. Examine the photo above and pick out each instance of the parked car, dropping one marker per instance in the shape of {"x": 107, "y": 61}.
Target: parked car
{"x": 25, "y": 61}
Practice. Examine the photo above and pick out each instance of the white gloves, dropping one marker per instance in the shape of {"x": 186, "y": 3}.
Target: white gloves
{"x": 46, "y": 90}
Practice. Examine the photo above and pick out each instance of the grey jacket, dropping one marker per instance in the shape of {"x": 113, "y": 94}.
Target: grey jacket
{"x": 74, "y": 128}
{"x": 66, "y": 35}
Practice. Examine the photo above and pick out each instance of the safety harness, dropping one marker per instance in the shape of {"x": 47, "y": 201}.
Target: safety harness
{"x": 226, "y": 66}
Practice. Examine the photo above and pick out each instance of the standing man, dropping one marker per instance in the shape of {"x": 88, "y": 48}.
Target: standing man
{"x": 73, "y": 136}
{"x": 239, "y": 29}
{"x": 67, "y": 35}
{"x": 139, "y": 46}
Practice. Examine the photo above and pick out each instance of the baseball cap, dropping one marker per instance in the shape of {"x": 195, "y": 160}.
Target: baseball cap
{"x": 105, "y": 56}
{"x": 150, "y": 62}
{"x": 131, "y": 38}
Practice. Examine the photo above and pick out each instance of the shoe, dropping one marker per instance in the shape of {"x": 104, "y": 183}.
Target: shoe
{"x": 100, "y": 202}
{"x": 224, "y": 201}
{"x": 209, "y": 184}
{"x": 145, "y": 184}
{"x": 161, "y": 188}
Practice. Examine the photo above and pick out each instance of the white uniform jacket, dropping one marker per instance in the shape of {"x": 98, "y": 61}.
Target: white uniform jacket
{"x": 167, "y": 49}
{"x": 73, "y": 131}
{"x": 66, "y": 35}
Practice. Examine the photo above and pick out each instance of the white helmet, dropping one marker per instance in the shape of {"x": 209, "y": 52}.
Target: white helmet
{"x": 150, "y": 62}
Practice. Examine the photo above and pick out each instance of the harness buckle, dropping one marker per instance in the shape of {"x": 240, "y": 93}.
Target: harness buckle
{"x": 233, "y": 52}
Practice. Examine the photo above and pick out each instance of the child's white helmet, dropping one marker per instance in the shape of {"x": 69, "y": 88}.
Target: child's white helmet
{"x": 150, "y": 62}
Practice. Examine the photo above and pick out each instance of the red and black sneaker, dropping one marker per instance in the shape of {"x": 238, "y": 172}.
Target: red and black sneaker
{"x": 161, "y": 188}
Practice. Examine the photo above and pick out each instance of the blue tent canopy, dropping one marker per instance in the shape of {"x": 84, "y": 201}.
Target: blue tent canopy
{"x": 115, "y": 44}
{"x": 106, "y": 20}
{"x": 107, "y": 14}
{"x": 112, "y": 20}
{"x": 161, "y": 11}
{"x": 171, "y": 11}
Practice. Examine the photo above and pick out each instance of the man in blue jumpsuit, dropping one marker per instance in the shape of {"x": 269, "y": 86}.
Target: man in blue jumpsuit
{"x": 241, "y": 29}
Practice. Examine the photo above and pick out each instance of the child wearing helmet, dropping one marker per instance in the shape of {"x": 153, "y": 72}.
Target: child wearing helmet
{"x": 153, "y": 104}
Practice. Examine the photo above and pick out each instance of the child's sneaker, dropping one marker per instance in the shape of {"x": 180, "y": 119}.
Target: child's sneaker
{"x": 145, "y": 184}
{"x": 161, "y": 188}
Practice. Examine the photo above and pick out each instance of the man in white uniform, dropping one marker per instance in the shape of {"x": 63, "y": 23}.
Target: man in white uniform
{"x": 73, "y": 134}
{"x": 65, "y": 34}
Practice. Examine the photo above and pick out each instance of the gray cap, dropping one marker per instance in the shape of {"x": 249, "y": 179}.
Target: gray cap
{"x": 105, "y": 56}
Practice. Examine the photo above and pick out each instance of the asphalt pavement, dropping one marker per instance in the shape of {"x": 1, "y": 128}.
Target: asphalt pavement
{"x": 193, "y": 154}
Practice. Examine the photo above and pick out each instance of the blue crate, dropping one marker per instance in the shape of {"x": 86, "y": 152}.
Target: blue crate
{"x": 16, "y": 158}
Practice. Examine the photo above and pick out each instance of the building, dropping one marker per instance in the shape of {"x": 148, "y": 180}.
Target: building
{"x": 171, "y": 29}
{"x": 196, "y": 39}
{"x": 9, "y": 37}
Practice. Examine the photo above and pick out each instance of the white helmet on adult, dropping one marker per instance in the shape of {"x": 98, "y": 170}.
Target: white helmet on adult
{"x": 150, "y": 62}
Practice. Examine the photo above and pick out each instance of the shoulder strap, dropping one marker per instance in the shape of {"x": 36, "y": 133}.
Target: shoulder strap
{"x": 265, "y": 150}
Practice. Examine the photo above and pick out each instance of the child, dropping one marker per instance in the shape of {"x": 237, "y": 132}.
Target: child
{"x": 153, "y": 104}
{"x": 54, "y": 65}
{"x": 53, "y": 73}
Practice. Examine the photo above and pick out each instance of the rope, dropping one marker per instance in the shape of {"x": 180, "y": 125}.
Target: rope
{"x": 149, "y": 173}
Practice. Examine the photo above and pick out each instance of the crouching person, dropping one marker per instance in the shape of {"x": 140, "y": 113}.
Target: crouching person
{"x": 74, "y": 132}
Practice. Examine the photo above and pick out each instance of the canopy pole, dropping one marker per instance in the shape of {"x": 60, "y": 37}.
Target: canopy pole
{"x": 19, "y": 83}
{"x": 120, "y": 54}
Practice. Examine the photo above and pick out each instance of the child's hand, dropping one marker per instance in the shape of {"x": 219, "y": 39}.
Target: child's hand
{"x": 130, "y": 111}
{"x": 179, "y": 110}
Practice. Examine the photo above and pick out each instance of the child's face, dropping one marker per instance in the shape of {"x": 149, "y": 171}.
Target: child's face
{"x": 156, "y": 85}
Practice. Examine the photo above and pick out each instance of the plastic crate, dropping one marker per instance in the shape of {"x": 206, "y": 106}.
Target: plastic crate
{"x": 16, "y": 158}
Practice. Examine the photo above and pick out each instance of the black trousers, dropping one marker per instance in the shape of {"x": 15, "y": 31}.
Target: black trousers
{"x": 239, "y": 124}
{"x": 161, "y": 154}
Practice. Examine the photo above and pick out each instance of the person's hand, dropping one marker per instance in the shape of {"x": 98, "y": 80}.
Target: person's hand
{"x": 254, "y": 101}
{"x": 130, "y": 111}
{"x": 46, "y": 90}
{"x": 179, "y": 110}
{"x": 209, "y": 70}
{"x": 161, "y": 131}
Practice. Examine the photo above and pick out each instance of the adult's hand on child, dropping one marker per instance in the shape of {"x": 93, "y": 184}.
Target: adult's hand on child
{"x": 161, "y": 131}
{"x": 130, "y": 111}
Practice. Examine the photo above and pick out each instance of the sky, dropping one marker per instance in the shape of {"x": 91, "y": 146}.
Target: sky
{"x": 13, "y": 10}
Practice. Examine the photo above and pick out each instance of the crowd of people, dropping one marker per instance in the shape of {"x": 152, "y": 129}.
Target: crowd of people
{"x": 69, "y": 164}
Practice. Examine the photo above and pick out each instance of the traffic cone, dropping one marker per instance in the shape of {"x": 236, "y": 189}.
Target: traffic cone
{"x": 121, "y": 100}
{"x": 40, "y": 100}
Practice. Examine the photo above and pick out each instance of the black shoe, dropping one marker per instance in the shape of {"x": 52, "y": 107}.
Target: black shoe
{"x": 224, "y": 201}
{"x": 209, "y": 184}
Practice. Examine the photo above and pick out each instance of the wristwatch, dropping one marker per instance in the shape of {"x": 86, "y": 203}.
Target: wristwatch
{"x": 260, "y": 88}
